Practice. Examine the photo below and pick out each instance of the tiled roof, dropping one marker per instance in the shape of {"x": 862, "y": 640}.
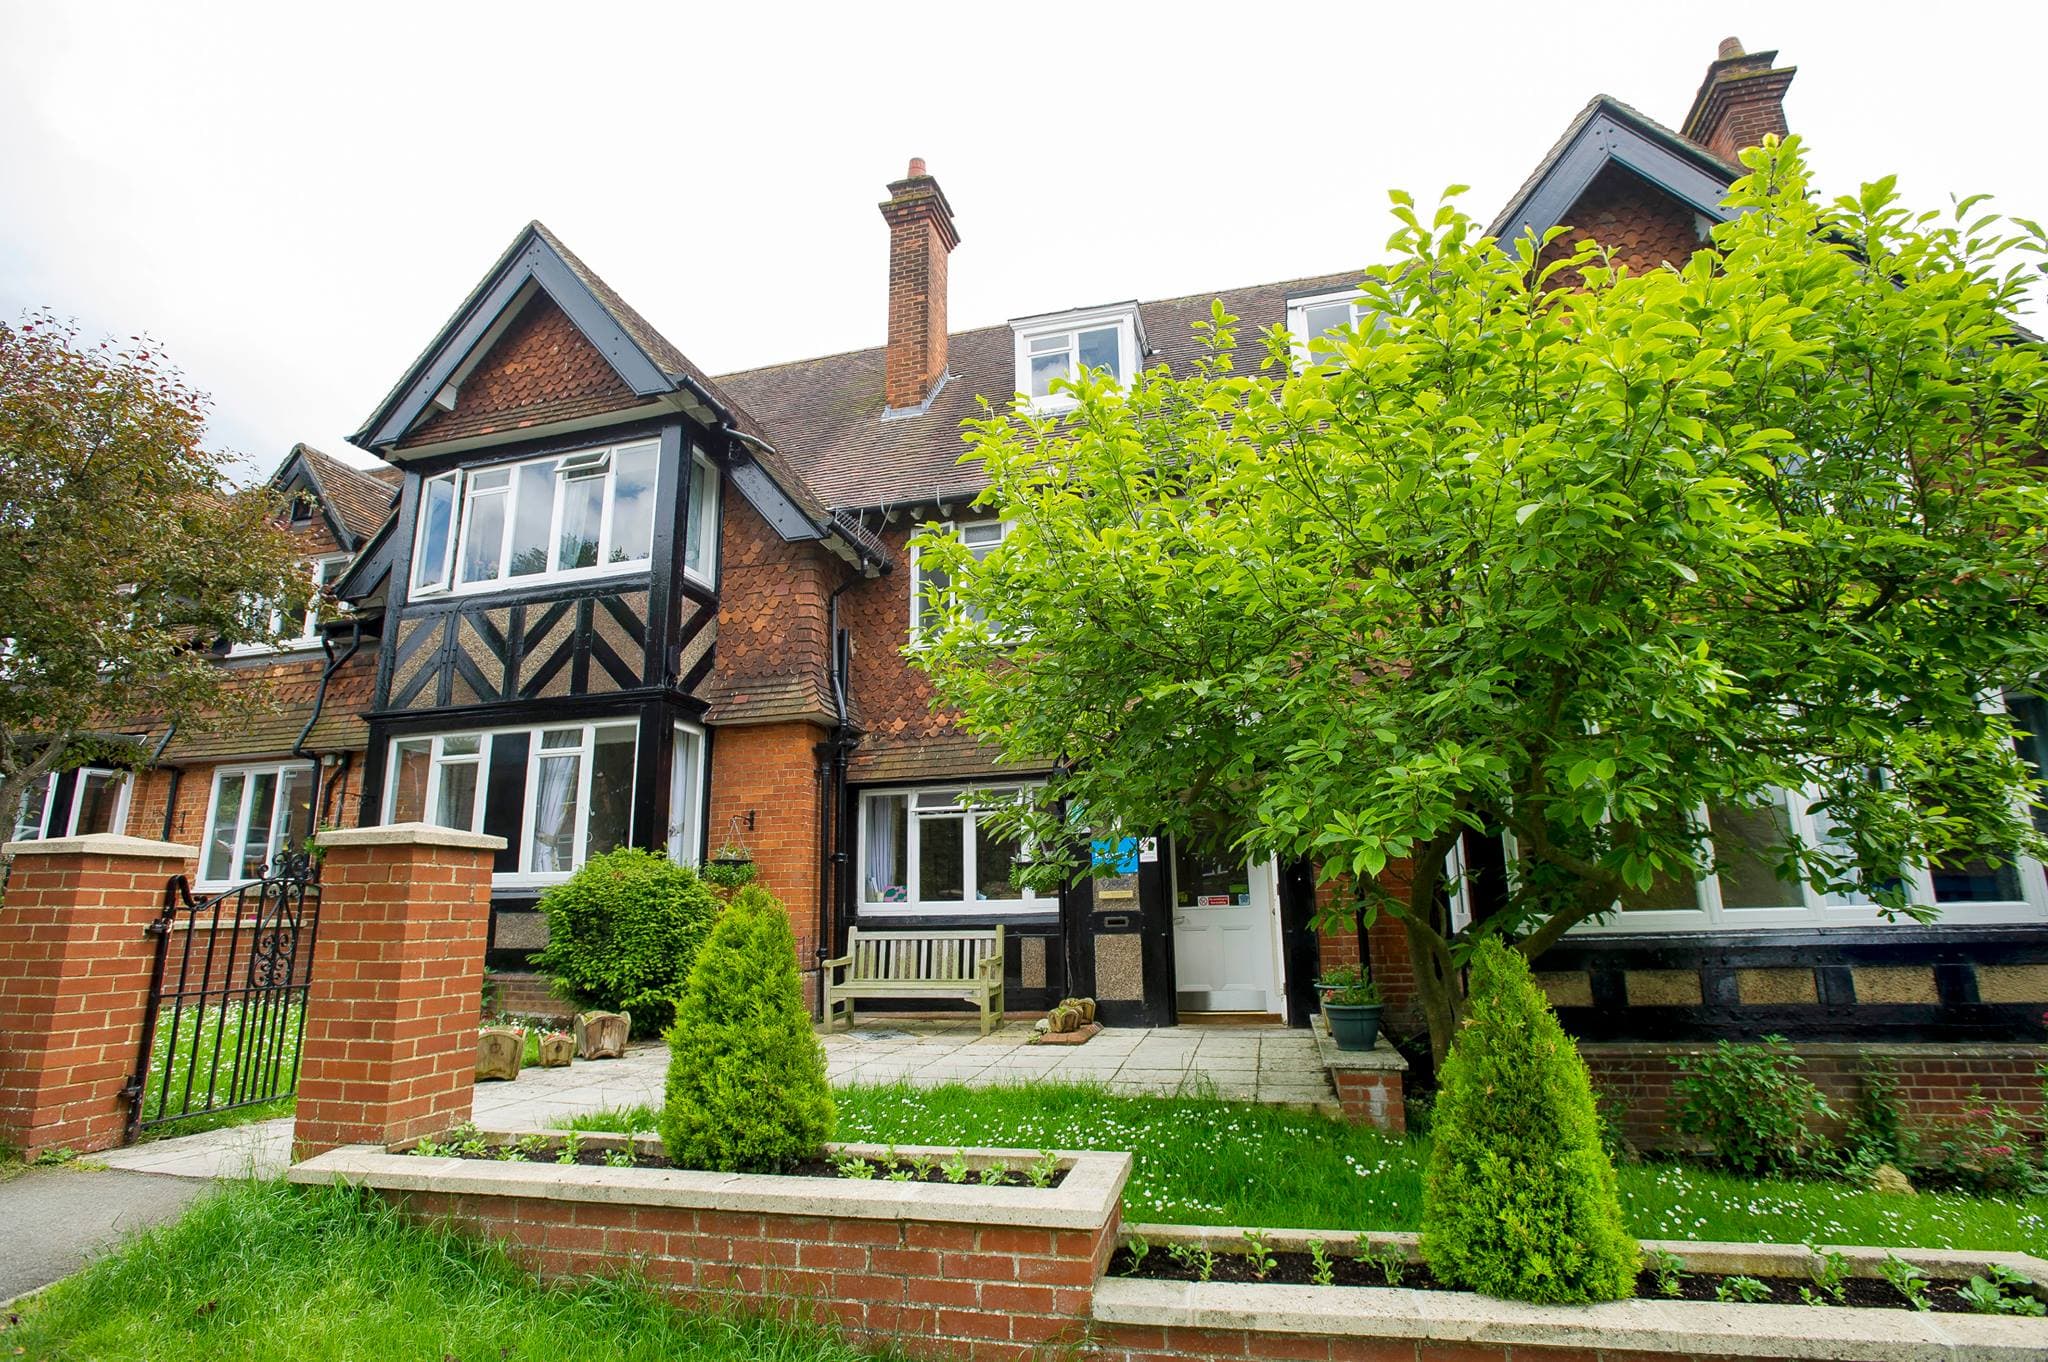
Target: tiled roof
{"x": 825, "y": 415}
{"x": 360, "y": 498}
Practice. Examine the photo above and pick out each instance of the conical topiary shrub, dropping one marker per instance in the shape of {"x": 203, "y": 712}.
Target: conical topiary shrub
{"x": 1519, "y": 1200}
{"x": 746, "y": 1075}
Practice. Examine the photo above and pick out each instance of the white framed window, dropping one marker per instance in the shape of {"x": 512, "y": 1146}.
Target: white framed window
{"x": 32, "y": 814}
{"x": 558, "y": 793}
{"x": 253, "y": 814}
{"x": 931, "y": 593}
{"x": 93, "y": 799}
{"x": 1053, "y": 349}
{"x": 302, "y": 630}
{"x": 559, "y": 518}
{"x": 700, "y": 542}
{"x": 1314, "y": 318}
{"x": 930, "y": 852}
{"x": 686, "y": 796}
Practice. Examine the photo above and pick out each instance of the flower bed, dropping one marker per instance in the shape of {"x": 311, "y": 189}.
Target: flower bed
{"x": 1170, "y": 1309}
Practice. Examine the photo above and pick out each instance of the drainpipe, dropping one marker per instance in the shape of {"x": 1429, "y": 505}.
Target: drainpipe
{"x": 832, "y": 782}
{"x": 334, "y": 664}
{"x": 171, "y": 785}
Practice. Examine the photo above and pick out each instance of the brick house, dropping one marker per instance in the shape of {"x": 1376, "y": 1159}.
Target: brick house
{"x": 619, "y": 601}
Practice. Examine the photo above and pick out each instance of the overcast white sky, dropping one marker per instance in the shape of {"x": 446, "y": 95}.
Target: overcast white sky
{"x": 293, "y": 198}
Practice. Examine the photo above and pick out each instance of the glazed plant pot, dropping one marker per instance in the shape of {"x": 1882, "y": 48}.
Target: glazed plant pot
{"x": 1354, "y": 1026}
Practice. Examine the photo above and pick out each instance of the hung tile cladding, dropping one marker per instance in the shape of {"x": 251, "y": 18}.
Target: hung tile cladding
{"x": 598, "y": 596}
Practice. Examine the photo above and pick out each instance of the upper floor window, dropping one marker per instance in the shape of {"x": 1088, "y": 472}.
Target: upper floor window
{"x": 302, "y": 630}
{"x": 557, "y": 518}
{"x": 930, "y": 589}
{"x": 253, "y": 816}
{"x": 1316, "y": 319}
{"x": 1052, "y": 350}
{"x": 700, "y": 542}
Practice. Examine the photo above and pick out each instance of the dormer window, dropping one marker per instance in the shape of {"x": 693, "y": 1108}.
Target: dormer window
{"x": 1053, "y": 350}
{"x": 1316, "y": 319}
{"x": 302, "y": 507}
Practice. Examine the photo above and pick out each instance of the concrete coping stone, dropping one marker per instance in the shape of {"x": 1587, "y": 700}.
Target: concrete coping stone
{"x": 1721, "y": 1258}
{"x": 102, "y": 844}
{"x": 409, "y": 835}
{"x": 1086, "y": 1198}
{"x": 1637, "y": 1327}
{"x": 1382, "y": 1058}
{"x": 1650, "y": 1049}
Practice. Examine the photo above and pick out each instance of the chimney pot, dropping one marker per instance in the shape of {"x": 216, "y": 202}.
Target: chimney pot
{"x": 921, "y": 236}
{"x": 1730, "y": 49}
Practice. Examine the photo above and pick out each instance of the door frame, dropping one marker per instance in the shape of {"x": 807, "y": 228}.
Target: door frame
{"x": 1279, "y": 976}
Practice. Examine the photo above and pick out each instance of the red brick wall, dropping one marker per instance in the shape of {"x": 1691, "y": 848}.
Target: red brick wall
{"x": 390, "y": 1035}
{"x": 1935, "y": 1082}
{"x": 771, "y": 771}
{"x": 1392, "y": 967}
{"x": 920, "y": 236}
{"x": 940, "y": 1290}
{"x": 74, "y": 988}
{"x": 540, "y": 370}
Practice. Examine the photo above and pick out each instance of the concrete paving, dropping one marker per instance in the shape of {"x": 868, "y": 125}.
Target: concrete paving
{"x": 57, "y": 1219}
{"x": 1249, "y": 1063}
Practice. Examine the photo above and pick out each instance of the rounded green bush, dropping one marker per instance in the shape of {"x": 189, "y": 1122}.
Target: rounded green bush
{"x": 746, "y": 1075}
{"x": 1519, "y": 1197}
{"x": 623, "y": 932}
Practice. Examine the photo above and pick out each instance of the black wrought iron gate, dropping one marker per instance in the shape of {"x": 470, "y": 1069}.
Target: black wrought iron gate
{"x": 227, "y": 996}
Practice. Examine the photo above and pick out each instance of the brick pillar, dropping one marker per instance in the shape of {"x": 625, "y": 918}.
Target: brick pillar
{"x": 390, "y": 1045}
{"x": 75, "y": 961}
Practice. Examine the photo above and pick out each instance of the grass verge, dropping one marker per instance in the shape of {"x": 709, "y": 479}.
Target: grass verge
{"x": 265, "y": 1272}
{"x": 1201, "y": 1161}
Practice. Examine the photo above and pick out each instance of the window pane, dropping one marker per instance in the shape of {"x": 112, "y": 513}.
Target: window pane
{"x": 256, "y": 840}
{"x": 220, "y": 837}
{"x": 1745, "y": 845}
{"x": 99, "y": 799}
{"x": 437, "y": 512}
{"x": 611, "y": 791}
{"x": 941, "y": 858}
{"x": 1198, "y": 877}
{"x": 485, "y": 539}
{"x": 2030, "y": 714}
{"x": 1975, "y": 881}
{"x": 554, "y": 814}
{"x": 409, "y": 766}
{"x": 1045, "y": 369}
{"x": 559, "y": 738}
{"x": 982, "y": 536}
{"x": 633, "y": 505}
{"x": 1049, "y": 345}
{"x": 28, "y": 817}
{"x": 533, "y": 513}
{"x": 885, "y": 845}
{"x": 505, "y": 798}
{"x": 455, "y": 804}
{"x": 1319, "y": 321}
{"x": 703, "y": 525}
{"x": 1099, "y": 351}
{"x": 582, "y": 515}
{"x": 930, "y": 600}
{"x": 994, "y": 859}
{"x": 296, "y": 825}
{"x": 462, "y": 745}
{"x": 686, "y": 789}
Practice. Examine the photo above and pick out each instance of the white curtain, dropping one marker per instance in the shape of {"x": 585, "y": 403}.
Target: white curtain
{"x": 553, "y": 839}
{"x": 883, "y": 816}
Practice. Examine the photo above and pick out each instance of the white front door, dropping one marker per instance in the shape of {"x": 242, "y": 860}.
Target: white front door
{"x": 1225, "y": 935}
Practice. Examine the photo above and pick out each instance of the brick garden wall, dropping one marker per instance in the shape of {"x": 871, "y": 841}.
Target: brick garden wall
{"x": 939, "y": 1289}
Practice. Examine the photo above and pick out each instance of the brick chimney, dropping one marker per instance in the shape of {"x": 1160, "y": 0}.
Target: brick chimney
{"x": 921, "y": 235}
{"x": 1741, "y": 100}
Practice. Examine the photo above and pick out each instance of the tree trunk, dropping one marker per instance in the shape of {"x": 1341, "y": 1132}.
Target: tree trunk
{"x": 1437, "y": 983}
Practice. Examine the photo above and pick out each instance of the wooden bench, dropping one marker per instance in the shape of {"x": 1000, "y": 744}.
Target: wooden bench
{"x": 962, "y": 963}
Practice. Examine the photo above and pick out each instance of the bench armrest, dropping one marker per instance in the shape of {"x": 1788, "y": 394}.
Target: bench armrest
{"x": 990, "y": 965}
{"x": 836, "y": 962}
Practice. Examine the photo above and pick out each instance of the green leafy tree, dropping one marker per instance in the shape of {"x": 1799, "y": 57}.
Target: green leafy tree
{"x": 1519, "y": 1200}
{"x": 124, "y": 554}
{"x": 1570, "y": 563}
{"x": 746, "y": 1075}
{"x": 623, "y": 932}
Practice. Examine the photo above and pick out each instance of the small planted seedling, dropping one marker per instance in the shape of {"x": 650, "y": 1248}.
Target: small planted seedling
{"x": 923, "y": 1166}
{"x": 956, "y": 1169}
{"x": 1907, "y": 1280}
{"x": 1195, "y": 1258}
{"x": 465, "y": 1141}
{"x": 1322, "y": 1271}
{"x": 1137, "y": 1246}
{"x": 535, "y": 1146}
{"x": 1669, "y": 1270}
{"x": 618, "y": 1158}
{"x": 1044, "y": 1169}
{"x": 996, "y": 1173}
{"x": 900, "y": 1172}
{"x": 1830, "y": 1273}
{"x": 2003, "y": 1292}
{"x": 853, "y": 1166}
{"x": 1391, "y": 1262}
{"x": 1261, "y": 1257}
{"x": 572, "y": 1148}
{"x": 1747, "y": 1289}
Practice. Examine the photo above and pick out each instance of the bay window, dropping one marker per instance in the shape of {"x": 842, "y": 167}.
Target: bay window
{"x": 253, "y": 815}
{"x": 932, "y": 851}
{"x": 562, "y": 517}
{"x": 558, "y": 794}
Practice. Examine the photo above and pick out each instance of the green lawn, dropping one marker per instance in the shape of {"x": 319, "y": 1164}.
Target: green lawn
{"x": 244, "y": 1039}
{"x": 264, "y": 1272}
{"x": 1208, "y": 1162}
